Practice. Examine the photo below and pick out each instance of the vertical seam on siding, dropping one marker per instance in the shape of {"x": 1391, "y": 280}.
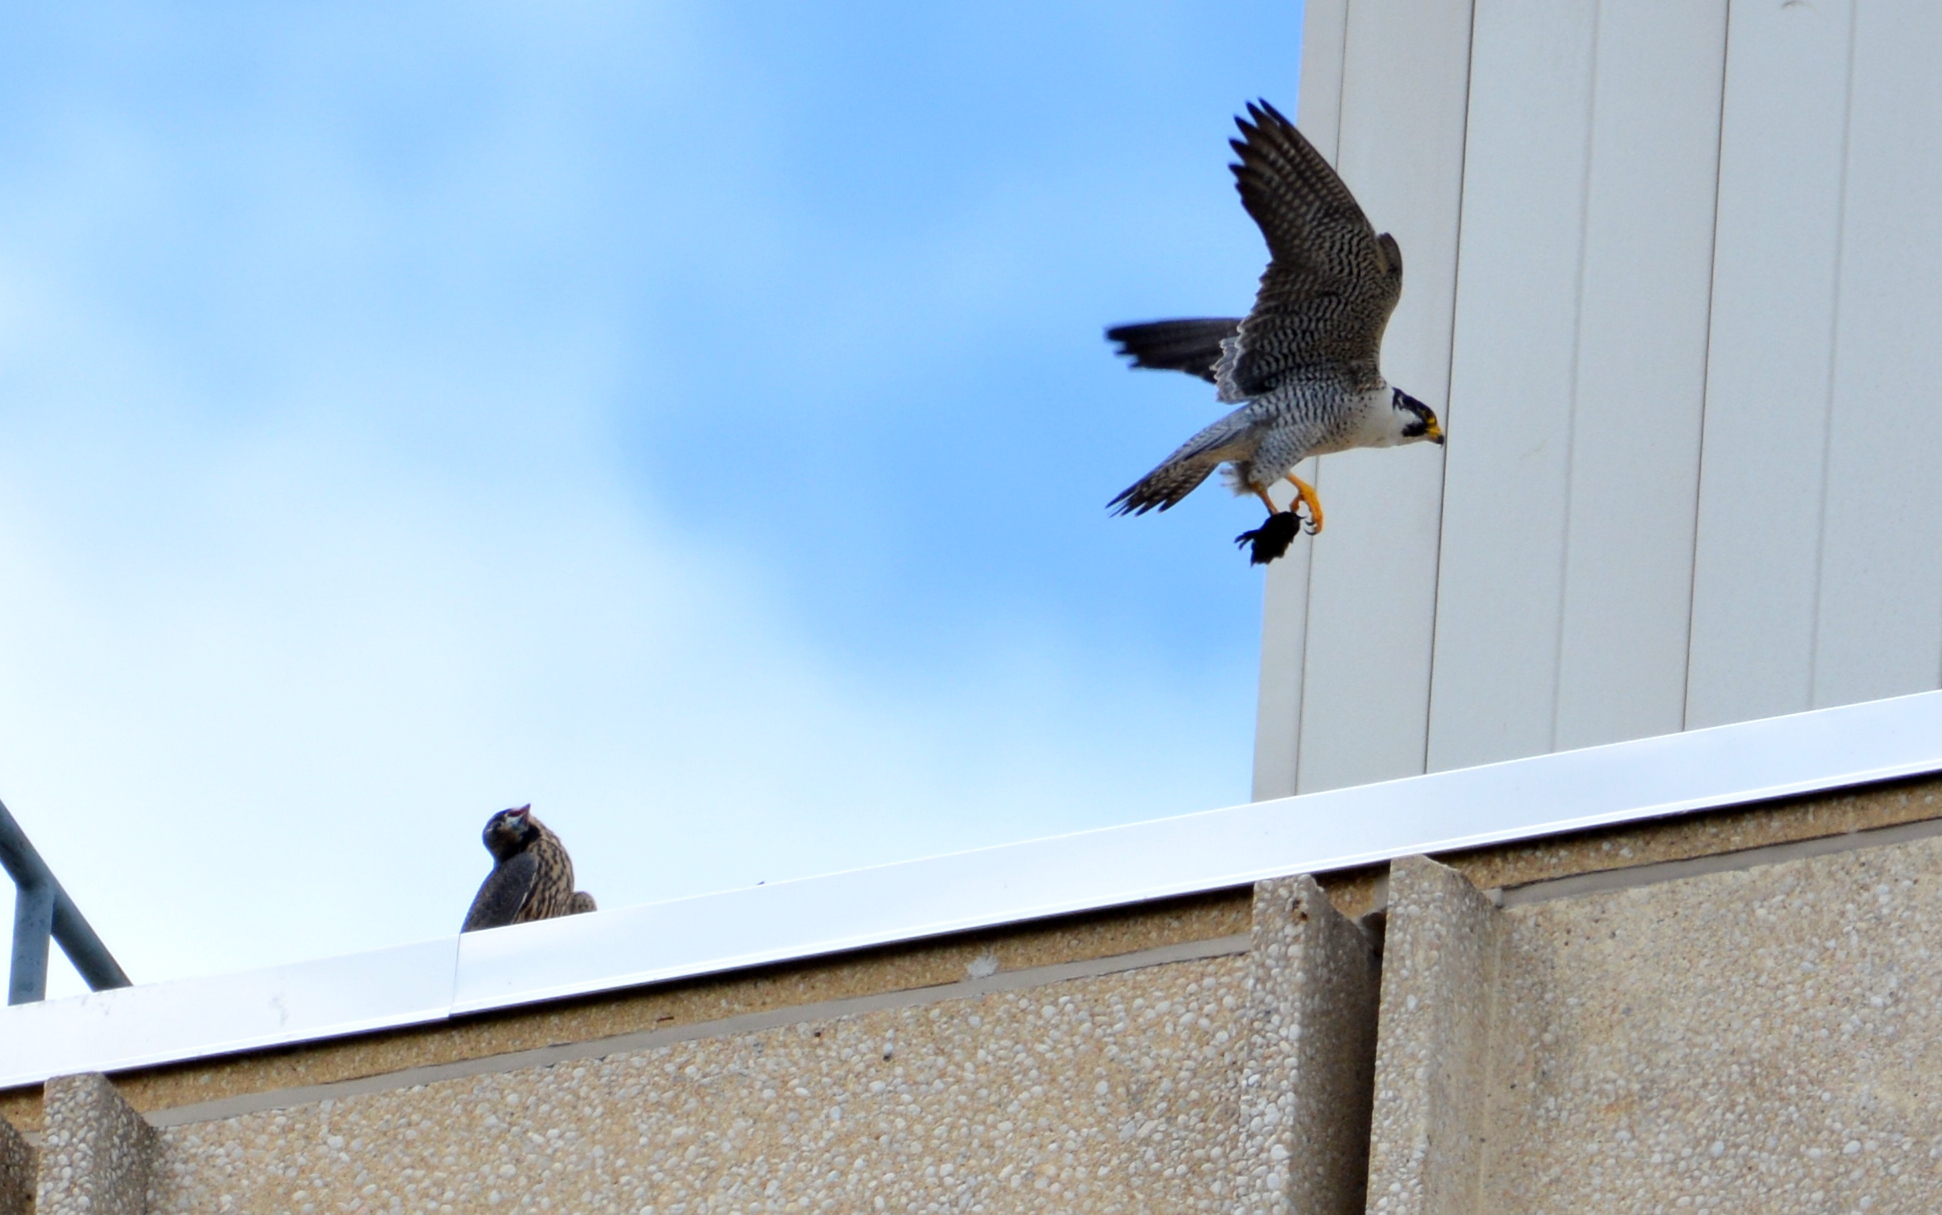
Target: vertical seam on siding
{"x": 1833, "y": 359}
{"x": 1342, "y": 81}
{"x": 1449, "y": 374}
{"x": 1706, "y": 369}
{"x": 1307, "y": 619}
{"x": 1577, "y": 353}
{"x": 1308, "y": 576}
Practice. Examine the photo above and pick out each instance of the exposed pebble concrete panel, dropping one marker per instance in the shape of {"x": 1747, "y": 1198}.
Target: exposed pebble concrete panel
{"x": 926, "y": 963}
{"x": 17, "y": 1172}
{"x": 1762, "y": 1040}
{"x": 1766, "y": 1039}
{"x": 1313, "y": 982}
{"x": 921, "y": 964}
{"x": 95, "y": 1152}
{"x": 1681, "y": 837}
{"x": 1112, "y": 1094}
{"x": 1433, "y": 1055}
{"x": 1685, "y": 836}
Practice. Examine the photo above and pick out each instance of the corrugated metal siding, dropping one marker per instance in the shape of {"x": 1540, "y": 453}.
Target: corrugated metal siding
{"x": 1400, "y": 132}
{"x": 1671, "y": 266}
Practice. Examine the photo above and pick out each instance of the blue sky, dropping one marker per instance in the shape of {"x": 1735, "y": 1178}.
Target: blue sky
{"x": 690, "y": 418}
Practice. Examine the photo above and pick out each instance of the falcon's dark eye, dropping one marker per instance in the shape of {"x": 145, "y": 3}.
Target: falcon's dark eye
{"x": 1416, "y": 429}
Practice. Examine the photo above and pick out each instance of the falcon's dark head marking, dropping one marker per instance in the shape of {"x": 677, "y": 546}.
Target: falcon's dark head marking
{"x": 510, "y": 832}
{"x": 1417, "y": 419}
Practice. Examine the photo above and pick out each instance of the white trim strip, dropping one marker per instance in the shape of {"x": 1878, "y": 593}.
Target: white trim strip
{"x": 190, "y": 1018}
{"x": 1522, "y": 799}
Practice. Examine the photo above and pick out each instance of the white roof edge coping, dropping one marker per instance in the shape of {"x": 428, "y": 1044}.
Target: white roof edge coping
{"x": 1089, "y": 870}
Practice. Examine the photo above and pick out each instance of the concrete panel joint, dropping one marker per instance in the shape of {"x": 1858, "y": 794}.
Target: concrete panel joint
{"x": 1308, "y": 1068}
{"x": 96, "y": 1151}
{"x": 1441, "y": 959}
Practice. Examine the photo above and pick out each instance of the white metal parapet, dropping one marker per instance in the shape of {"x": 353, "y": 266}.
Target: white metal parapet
{"x": 1115, "y": 866}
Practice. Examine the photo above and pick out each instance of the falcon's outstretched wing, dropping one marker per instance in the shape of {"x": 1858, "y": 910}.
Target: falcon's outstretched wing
{"x": 503, "y": 892}
{"x": 1331, "y": 282}
{"x": 1192, "y": 346}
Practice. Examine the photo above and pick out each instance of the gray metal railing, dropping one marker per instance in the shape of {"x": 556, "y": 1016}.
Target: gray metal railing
{"x": 41, "y": 909}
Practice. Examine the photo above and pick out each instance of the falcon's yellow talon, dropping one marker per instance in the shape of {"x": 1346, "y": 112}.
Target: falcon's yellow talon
{"x": 1304, "y": 492}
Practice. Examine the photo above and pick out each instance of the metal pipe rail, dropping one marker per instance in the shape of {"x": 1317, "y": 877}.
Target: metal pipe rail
{"x": 41, "y": 909}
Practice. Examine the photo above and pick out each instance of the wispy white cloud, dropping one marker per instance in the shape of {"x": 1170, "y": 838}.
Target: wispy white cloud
{"x": 385, "y": 439}
{"x": 261, "y": 688}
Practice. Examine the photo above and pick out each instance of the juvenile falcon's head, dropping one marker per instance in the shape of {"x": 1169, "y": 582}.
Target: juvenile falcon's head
{"x": 510, "y": 832}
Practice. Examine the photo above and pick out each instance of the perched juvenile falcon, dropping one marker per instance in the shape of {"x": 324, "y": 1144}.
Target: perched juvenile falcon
{"x": 1303, "y": 364}
{"x": 531, "y": 879}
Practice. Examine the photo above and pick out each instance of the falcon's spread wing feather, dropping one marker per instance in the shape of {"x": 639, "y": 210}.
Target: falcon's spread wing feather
{"x": 1331, "y": 282}
{"x": 503, "y": 892}
{"x": 1192, "y": 346}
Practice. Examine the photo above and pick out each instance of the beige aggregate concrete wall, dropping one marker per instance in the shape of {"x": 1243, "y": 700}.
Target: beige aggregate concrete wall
{"x": 1216, "y": 1083}
{"x": 928, "y": 963}
{"x": 1109, "y": 933}
{"x": 1765, "y": 1040}
{"x": 1717, "y": 832}
{"x": 1683, "y": 837}
{"x": 1307, "y": 1072}
{"x": 19, "y": 1169}
{"x": 1433, "y": 1054}
{"x": 1754, "y": 1040}
{"x": 97, "y": 1152}
{"x": 1112, "y": 1094}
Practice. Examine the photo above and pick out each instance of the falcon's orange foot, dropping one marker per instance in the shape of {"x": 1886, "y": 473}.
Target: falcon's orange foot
{"x": 1305, "y": 495}
{"x": 1272, "y": 538}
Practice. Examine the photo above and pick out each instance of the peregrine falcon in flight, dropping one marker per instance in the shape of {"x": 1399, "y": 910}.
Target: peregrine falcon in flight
{"x": 531, "y": 878}
{"x": 1302, "y": 365}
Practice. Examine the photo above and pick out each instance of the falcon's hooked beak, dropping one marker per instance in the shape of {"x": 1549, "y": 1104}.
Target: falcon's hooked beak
{"x": 1423, "y": 423}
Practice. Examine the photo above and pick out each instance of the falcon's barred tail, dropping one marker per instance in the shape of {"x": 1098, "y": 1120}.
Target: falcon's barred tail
{"x": 1183, "y": 471}
{"x": 1164, "y": 486}
{"x": 1192, "y": 346}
